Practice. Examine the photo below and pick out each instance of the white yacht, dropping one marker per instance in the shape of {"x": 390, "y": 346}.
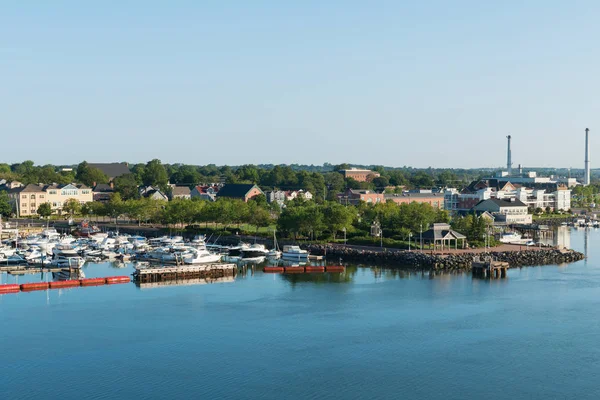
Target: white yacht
{"x": 294, "y": 253}
{"x": 199, "y": 256}
{"x": 512, "y": 237}
{"x": 255, "y": 251}
{"x": 65, "y": 250}
{"x": 68, "y": 262}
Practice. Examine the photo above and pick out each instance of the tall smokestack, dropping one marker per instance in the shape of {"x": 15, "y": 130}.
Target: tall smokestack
{"x": 508, "y": 157}
{"x": 586, "y": 177}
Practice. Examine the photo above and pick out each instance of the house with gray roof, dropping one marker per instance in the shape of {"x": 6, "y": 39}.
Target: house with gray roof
{"x": 180, "y": 192}
{"x": 505, "y": 211}
{"x": 112, "y": 170}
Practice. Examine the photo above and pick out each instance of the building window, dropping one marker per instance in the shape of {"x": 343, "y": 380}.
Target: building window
{"x": 24, "y": 196}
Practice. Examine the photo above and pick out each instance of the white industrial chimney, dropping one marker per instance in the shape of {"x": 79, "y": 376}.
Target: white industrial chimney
{"x": 508, "y": 158}
{"x": 586, "y": 177}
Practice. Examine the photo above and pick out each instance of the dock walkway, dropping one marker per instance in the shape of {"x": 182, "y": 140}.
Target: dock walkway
{"x": 146, "y": 275}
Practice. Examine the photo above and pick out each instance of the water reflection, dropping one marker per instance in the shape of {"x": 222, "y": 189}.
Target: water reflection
{"x": 185, "y": 282}
{"x": 320, "y": 278}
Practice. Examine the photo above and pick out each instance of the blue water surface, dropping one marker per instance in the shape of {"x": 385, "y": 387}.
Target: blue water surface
{"x": 368, "y": 334}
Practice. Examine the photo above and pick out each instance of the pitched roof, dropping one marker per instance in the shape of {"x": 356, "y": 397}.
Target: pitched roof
{"x": 181, "y": 191}
{"x": 31, "y": 188}
{"x": 112, "y": 170}
{"x": 442, "y": 232}
{"x": 237, "y": 190}
{"x": 152, "y": 192}
{"x": 504, "y": 202}
{"x": 103, "y": 188}
{"x": 72, "y": 185}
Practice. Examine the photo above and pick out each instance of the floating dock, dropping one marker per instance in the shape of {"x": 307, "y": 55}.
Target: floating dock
{"x": 147, "y": 275}
{"x": 28, "y": 287}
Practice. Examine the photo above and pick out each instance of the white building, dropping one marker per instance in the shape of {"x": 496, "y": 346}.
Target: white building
{"x": 510, "y": 211}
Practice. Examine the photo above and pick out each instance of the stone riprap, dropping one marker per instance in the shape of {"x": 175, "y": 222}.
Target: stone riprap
{"x": 448, "y": 262}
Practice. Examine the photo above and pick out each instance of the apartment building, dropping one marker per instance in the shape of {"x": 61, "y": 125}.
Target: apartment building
{"x": 26, "y": 200}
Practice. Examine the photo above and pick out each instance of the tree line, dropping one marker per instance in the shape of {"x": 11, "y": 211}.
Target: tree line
{"x": 323, "y": 181}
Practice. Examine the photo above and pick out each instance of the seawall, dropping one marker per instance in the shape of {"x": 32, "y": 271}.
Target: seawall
{"x": 462, "y": 261}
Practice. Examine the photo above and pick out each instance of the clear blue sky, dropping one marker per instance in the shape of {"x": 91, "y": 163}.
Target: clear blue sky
{"x": 418, "y": 83}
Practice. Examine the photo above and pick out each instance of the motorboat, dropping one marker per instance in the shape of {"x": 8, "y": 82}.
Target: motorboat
{"x": 13, "y": 260}
{"x": 274, "y": 254}
{"x": 6, "y": 252}
{"x": 511, "y": 237}
{"x": 254, "y": 251}
{"x": 294, "y": 253}
{"x": 68, "y": 262}
{"x": 50, "y": 234}
{"x": 37, "y": 257}
{"x": 65, "y": 250}
{"x": 199, "y": 256}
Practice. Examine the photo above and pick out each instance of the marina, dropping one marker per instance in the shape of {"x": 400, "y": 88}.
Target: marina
{"x": 386, "y": 322}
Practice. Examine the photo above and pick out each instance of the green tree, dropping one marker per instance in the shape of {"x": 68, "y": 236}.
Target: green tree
{"x": 127, "y": 186}
{"x": 71, "y": 207}
{"x": 44, "y": 210}
{"x": 381, "y": 182}
{"x": 90, "y": 176}
{"x": 337, "y": 217}
{"x": 115, "y": 207}
{"x": 155, "y": 174}
{"x": 186, "y": 175}
{"x": 5, "y": 207}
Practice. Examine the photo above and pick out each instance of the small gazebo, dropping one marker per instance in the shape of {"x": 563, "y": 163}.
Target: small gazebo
{"x": 442, "y": 236}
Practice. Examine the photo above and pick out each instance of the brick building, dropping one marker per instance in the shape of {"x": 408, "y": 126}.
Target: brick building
{"x": 360, "y": 175}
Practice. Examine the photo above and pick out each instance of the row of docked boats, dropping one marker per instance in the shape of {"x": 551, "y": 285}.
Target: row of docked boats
{"x": 50, "y": 248}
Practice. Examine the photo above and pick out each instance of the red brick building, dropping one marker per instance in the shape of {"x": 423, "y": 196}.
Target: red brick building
{"x": 436, "y": 200}
{"x": 360, "y": 175}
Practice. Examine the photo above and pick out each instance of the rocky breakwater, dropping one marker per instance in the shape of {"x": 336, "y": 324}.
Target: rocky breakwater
{"x": 445, "y": 262}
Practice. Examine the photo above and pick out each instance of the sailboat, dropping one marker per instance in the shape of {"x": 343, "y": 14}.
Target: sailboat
{"x": 274, "y": 253}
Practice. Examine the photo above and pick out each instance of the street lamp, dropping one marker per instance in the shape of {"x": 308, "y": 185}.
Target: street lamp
{"x": 409, "y": 236}
{"x": 421, "y": 236}
{"x": 344, "y": 229}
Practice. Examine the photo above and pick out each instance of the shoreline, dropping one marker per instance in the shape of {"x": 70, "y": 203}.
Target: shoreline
{"x": 448, "y": 262}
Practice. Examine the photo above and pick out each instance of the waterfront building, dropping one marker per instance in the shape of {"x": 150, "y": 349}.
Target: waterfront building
{"x": 360, "y": 175}
{"x": 556, "y": 196}
{"x": 57, "y": 195}
{"x": 505, "y": 211}
{"x": 240, "y": 191}
{"x": 26, "y": 200}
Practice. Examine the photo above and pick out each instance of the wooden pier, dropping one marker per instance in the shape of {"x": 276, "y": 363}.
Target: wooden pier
{"x": 26, "y": 269}
{"x": 208, "y": 271}
{"x": 488, "y": 268}
{"x": 186, "y": 282}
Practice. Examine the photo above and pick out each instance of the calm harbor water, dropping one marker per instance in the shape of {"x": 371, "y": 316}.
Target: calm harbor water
{"x": 372, "y": 333}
